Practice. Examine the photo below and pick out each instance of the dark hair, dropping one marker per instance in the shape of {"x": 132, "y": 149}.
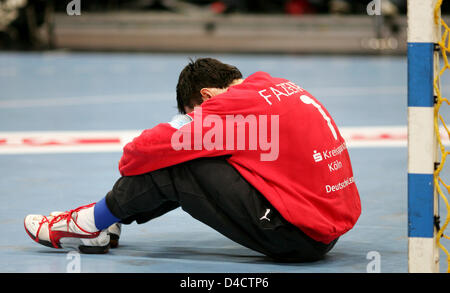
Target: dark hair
{"x": 203, "y": 73}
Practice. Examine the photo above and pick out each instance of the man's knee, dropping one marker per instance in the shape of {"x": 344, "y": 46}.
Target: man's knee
{"x": 133, "y": 195}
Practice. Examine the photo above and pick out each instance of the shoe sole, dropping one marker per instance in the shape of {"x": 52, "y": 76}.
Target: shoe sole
{"x": 94, "y": 249}
{"x": 113, "y": 240}
{"x": 82, "y": 248}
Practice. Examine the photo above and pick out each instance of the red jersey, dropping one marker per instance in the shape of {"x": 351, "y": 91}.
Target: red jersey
{"x": 279, "y": 138}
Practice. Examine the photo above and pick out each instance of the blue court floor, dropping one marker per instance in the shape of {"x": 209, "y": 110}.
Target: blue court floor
{"x": 67, "y": 91}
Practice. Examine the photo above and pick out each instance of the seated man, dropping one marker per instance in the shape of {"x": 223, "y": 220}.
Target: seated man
{"x": 259, "y": 159}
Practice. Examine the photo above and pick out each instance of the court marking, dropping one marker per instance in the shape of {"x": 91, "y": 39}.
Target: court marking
{"x": 83, "y": 100}
{"x": 163, "y": 96}
{"x": 38, "y": 142}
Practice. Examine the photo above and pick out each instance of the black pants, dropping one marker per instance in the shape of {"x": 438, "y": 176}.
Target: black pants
{"x": 213, "y": 192}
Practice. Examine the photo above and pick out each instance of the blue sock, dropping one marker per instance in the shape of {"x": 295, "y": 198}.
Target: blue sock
{"x": 103, "y": 216}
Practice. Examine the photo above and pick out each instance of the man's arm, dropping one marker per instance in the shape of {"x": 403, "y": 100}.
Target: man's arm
{"x": 168, "y": 144}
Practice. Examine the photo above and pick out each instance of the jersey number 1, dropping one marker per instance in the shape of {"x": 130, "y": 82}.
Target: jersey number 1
{"x": 307, "y": 100}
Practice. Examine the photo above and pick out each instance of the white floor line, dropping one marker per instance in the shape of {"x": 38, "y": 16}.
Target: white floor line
{"x": 85, "y": 100}
{"x": 40, "y": 142}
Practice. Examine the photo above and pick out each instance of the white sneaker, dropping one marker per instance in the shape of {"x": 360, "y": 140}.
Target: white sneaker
{"x": 114, "y": 234}
{"x": 113, "y": 231}
{"x": 61, "y": 230}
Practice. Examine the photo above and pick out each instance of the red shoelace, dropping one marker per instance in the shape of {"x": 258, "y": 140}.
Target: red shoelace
{"x": 55, "y": 236}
